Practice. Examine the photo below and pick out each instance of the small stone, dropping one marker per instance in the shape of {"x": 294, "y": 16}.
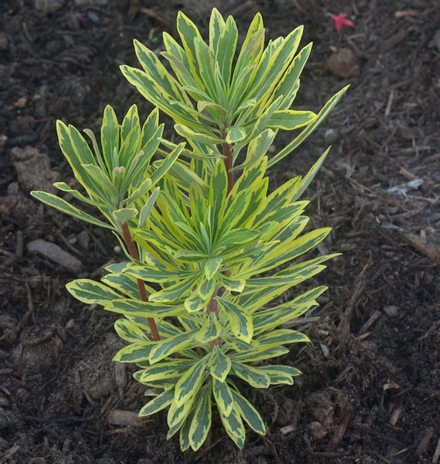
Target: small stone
{"x": 93, "y": 17}
{"x": 56, "y": 254}
{"x": 13, "y": 189}
{"x": 83, "y": 240}
{"x": 331, "y": 136}
{"x": 48, "y": 6}
{"x": 316, "y": 430}
{"x": 120, "y": 374}
{"x": 91, "y": 2}
{"x": 124, "y": 418}
{"x": 435, "y": 41}
{"x": 343, "y": 64}
{"x": 73, "y": 21}
{"x": 8, "y": 329}
{"x": 4, "y": 44}
{"x": 391, "y": 311}
{"x": 434, "y": 218}
{"x": 33, "y": 169}
{"x": 7, "y": 419}
{"x": 4, "y": 445}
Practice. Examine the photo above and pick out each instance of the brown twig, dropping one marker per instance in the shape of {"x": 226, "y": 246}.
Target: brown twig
{"x": 142, "y": 292}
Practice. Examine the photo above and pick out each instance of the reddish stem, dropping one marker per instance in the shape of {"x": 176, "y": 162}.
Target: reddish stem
{"x": 142, "y": 292}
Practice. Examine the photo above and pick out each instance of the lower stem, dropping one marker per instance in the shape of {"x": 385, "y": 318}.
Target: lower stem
{"x": 140, "y": 283}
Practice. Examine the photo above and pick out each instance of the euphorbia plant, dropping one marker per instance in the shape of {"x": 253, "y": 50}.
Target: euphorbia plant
{"x": 210, "y": 253}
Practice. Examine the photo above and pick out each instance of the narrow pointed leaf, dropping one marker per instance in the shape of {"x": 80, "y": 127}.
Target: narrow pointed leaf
{"x": 167, "y": 369}
{"x": 135, "y": 352}
{"x": 146, "y": 209}
{"x": 171, "y": 345}
{"x": 212, "y": 266}
{"x": 124, "y": 215}
{"x": 280, "y": 374}
{"x": 249, "y": 413}
{"x": 223, "y": 396}
{"x": 281, "y": 337}
{"x": 67, "y": 208}
{"x": 220, "y": 364}
{"x": 201, "y": 421}
{"x": 109, "y": 136}
{"x": 210, "y": 330}
{"x": 235, "y": 134}
{"x": 291, "y": 119}
{"x": 130, "y": 332}
{"x": 240, "y": 320}
{"x": 157, "y": 404}
{"x": 190, "y": 383}
{"x": 91, "y": 292}
{"x": 309, "y": 129}
{"x": 132, "y": 307}
{"x": 234, "y": 426}
{"x": 252, "y": 375}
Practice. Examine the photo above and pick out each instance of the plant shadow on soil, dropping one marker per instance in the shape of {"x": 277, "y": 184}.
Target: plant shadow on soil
{"x": 370, "y": 389}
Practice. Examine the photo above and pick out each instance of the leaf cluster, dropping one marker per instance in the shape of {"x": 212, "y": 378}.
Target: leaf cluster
{"x": 209, "y": 255}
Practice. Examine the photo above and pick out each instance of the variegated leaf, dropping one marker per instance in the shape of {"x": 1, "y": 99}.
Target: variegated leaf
{"x": 168, "y": 346}
{"x": 130, "y": 332}
{"x": 91, "y": 292}
{"x": 157, "y": 404}
{"x": 220, "y": 364}
{"x": 201, "y": 420}
{"x": 239, "y": 318}
{"x": 223, "y": 396}
{"x": 249, "y": 413}
{"x": 136, "y": 352}
{"x": 190, "y": 383}
{"x": 234, "y": 426}
{"x": 252, "y": 375}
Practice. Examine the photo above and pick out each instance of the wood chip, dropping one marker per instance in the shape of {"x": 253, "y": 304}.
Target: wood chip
{"x": 317, "y": 431}
{"x": 125, "y": 418}
{"x": 424, "y": 443}
{"x": 339, "y": 431}
{"x": 428, "y": 249}
{"x": 287, "y": 429}
{"x": 394, "y": 40}
{"x": 395, "y": 416}
{"x": 56, "y": 254}
{"x": 436, "y": 456}
{"x": 373, "y": 318}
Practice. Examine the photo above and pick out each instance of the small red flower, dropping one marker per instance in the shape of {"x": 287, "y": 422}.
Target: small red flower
{"x": 340, "y": 21}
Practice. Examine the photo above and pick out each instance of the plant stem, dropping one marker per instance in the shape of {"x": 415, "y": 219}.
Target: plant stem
{"x": 227, "y": 152}
{"x": 142, "y": 292}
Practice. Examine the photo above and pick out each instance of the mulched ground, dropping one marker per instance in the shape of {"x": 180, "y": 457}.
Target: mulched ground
{"x": 370, "y": 392}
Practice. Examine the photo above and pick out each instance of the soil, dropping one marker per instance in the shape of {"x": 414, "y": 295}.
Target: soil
{"x": 370, "y": 389}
